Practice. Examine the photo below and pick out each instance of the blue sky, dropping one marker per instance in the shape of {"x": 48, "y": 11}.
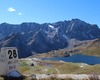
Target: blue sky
{"x": 41, "y": 11}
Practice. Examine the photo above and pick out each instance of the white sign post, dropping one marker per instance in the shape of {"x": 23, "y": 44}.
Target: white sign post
{"x": 8, "y": 60}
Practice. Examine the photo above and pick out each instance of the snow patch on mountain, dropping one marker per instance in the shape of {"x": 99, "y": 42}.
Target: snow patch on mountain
{"x": 51, "y": 26}
{"x": 65, "y": 36}
{"x": 51, "y": 34}
{"x": 23, "y": 33}
{"x": 72, "y": 26}
{"x": 91, "y": 36}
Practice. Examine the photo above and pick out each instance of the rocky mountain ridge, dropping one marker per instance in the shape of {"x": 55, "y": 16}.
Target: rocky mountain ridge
{"x": 40, "y": 38}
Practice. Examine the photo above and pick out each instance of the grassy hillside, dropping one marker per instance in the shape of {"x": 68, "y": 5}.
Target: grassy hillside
{"x": 91, "y": 49}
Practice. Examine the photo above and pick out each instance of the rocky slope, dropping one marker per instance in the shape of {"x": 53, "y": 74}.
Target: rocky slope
{"x": 18, "y": 41}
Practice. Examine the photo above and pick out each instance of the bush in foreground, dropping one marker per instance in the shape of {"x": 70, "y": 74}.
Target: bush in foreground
{"x": 94, "y": 77}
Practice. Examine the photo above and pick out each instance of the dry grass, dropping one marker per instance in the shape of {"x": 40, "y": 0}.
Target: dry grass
{"x": 91, "y": 77}
{"x": 56, "y": 78}
{"x": 94, "y": 77}
{"x": 68, "y": 78}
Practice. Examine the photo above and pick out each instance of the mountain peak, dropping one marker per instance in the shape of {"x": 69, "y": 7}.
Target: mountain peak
{"x": 4, "y": 23}
{"x": 76, "y": 19}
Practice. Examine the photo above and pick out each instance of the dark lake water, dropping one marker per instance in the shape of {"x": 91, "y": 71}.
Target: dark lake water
{"x": 91, "y": 60}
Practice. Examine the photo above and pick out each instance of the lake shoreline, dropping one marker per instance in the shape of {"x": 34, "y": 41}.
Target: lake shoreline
{"x": 79, "y": 58}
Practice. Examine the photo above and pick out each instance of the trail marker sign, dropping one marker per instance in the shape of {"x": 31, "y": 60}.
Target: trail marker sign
{"x": 8, "y": 60}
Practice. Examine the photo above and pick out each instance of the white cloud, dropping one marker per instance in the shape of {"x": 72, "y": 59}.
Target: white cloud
{"x": 11, "y": 9}
{"x": 19, "y": 13}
